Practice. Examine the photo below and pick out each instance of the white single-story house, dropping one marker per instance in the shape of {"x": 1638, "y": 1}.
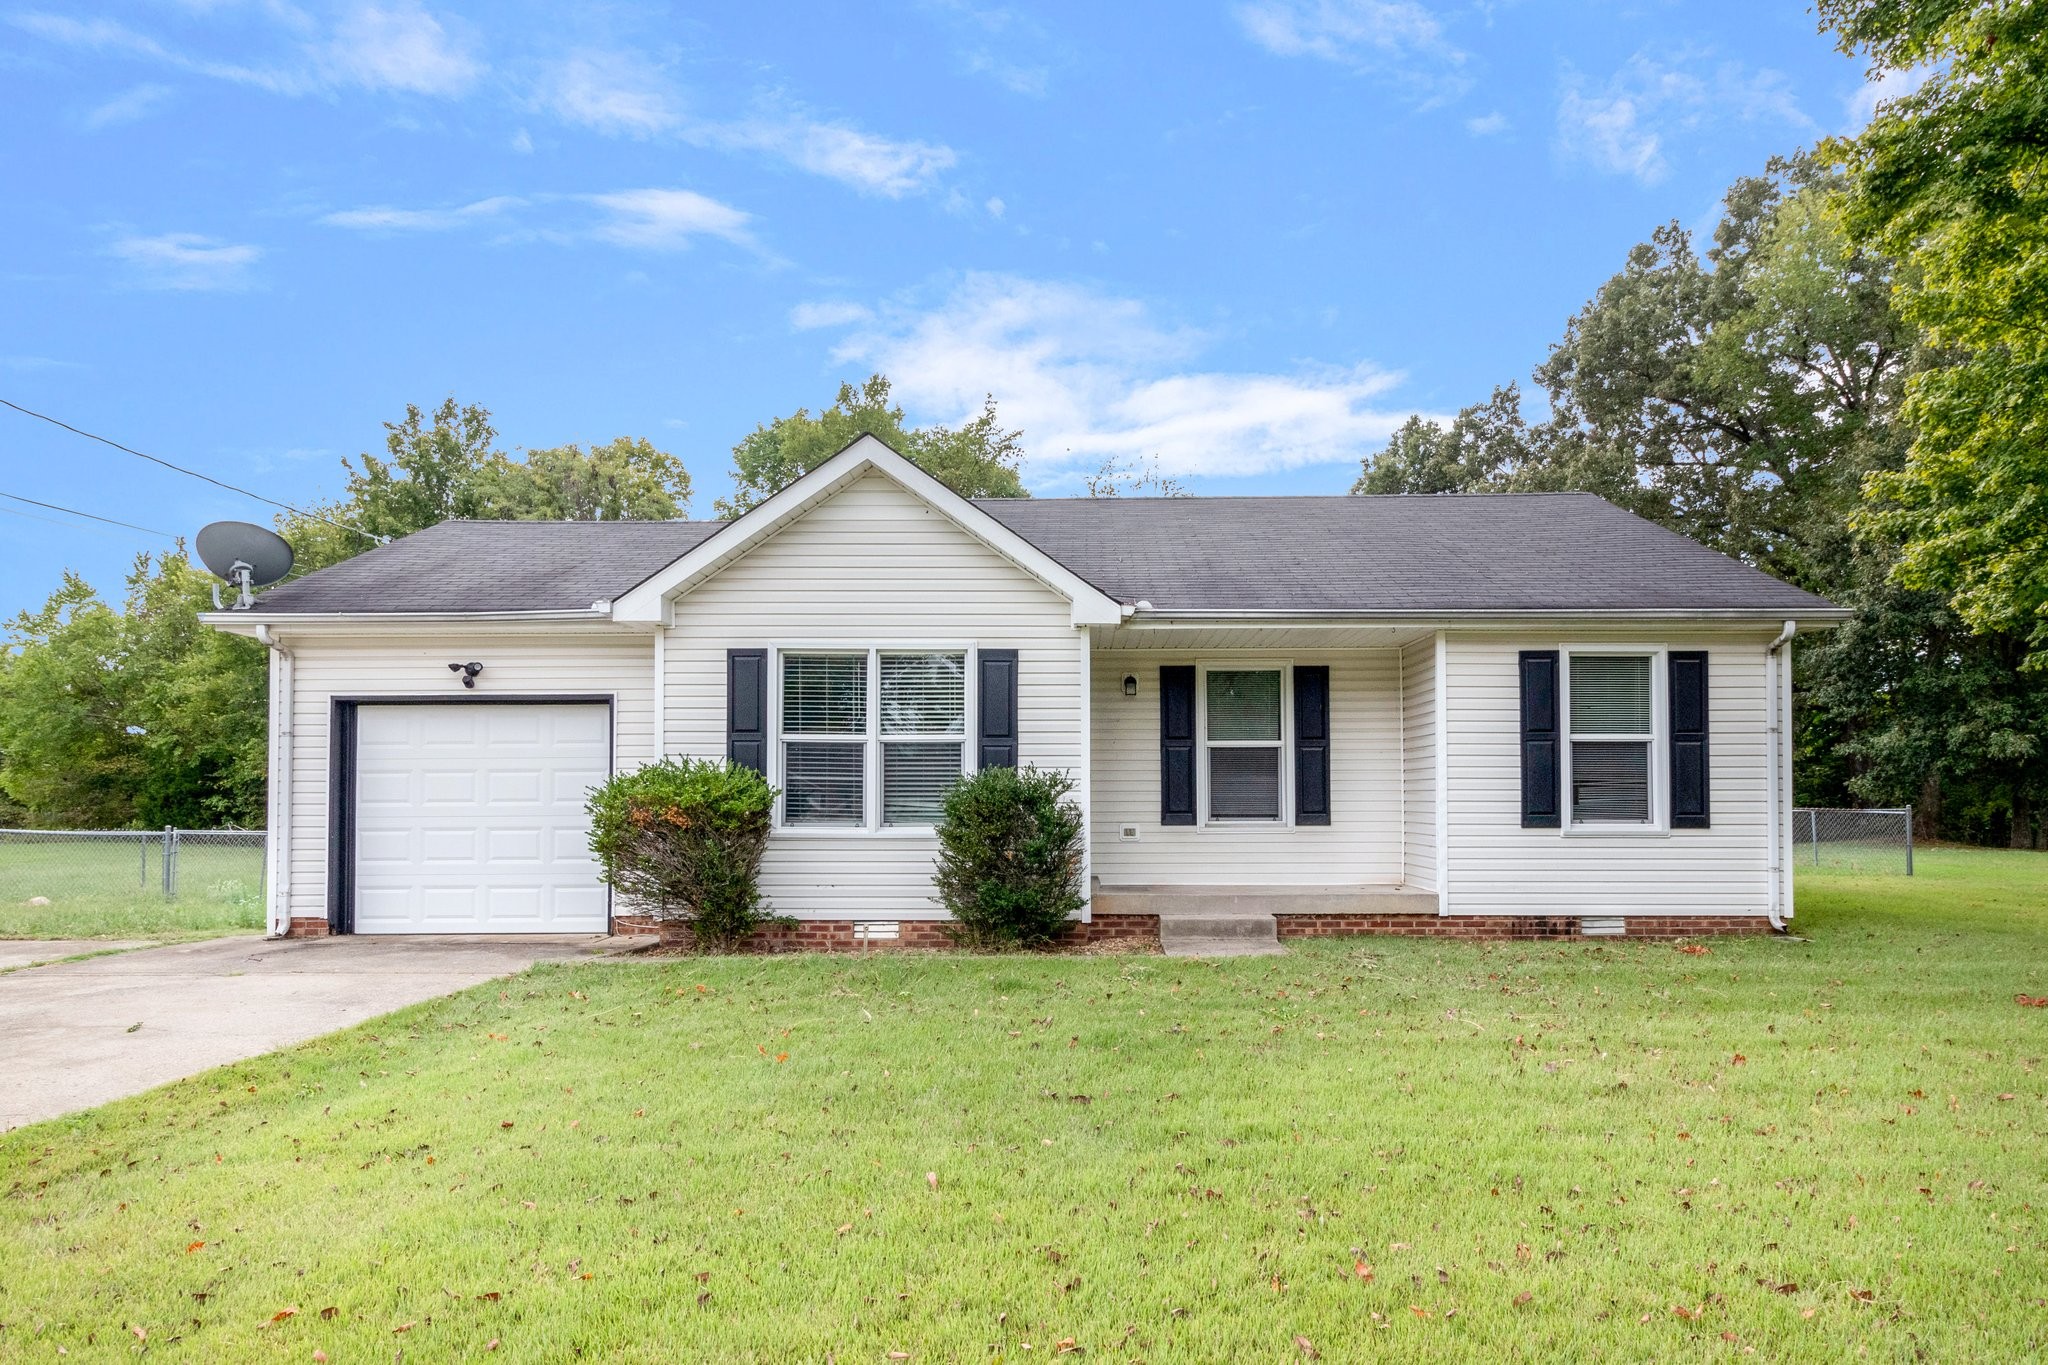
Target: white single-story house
{"x": 1488, "y": 715}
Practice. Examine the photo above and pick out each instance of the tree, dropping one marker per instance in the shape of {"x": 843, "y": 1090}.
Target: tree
{"x": 1116, "y": 478}
{"x": 626, "y": 479}
{"x": 1482, "y": 448}
{"x": 1952, "y": 180}
{"x": 135, "y": 717}
{"x": 977, "y": 460}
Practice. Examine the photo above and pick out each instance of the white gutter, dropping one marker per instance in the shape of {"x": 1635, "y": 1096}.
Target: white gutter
{"x": 1145, "y": 615}
{"x": 1778, "y": 780}
{"x": 278, "y": 847}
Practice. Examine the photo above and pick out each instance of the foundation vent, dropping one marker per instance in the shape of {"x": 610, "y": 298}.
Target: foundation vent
{"x": 877, "y": 930}
{"x": 1602, "y": 926}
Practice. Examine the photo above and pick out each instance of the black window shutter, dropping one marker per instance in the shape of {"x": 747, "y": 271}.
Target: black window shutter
{"x": 1312, "y": 745}
{"x": 997, "y": 692}
{"x": 746, "y": 708}
{"x": 1689, "y": 804}
{"x": 1177, "y": 745}
{"x": 1540, "y": 806}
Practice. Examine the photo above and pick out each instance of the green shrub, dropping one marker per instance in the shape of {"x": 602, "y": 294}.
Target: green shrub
{"x": 1010, "y": 857}
{"x": 685, "y": 839}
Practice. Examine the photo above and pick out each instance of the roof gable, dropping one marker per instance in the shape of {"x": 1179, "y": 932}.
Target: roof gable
{"x": 652, "y": 599}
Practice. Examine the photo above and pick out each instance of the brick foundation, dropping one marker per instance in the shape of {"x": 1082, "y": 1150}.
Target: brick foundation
{"x": 1505, "y": 928}
{"x": 1142, "y": 931}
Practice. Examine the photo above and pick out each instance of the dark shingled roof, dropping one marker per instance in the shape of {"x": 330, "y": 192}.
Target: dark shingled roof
{"x": 494, "y": 566}
{"x": 1550, "y": 552}
{"x": 1446, "y": 553}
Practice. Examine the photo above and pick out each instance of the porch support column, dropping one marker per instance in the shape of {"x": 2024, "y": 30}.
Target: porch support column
{"x": 1084, "y": 783}
{"x": 1441, "y": 681}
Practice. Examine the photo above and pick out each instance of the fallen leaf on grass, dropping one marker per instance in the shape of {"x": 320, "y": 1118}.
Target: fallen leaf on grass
{"x": 403, "y": 1327}
{"x": 194, "y": 1247}
{"x": 899, "y": 1355}
{"x": 327, "y": 1314}
{"x": 1680, "y": 1310}
{"x": 1361, "y": 1270}
{"x": 1806, "y": 1312}
{"x": 506, "y": 1124}
{"x": 1066, "y": 1346}
{"x": 1418, "y": 1310}
{"x": 319, "y": 1357}
{"x": 281, "y": 1314}
{"x": 1738, "y": 1060}
{"x": 1523, "y": 1298}
{"x": 1862, "y": 1295}
{"x": 2037, "y": 1002}
{"x": 140, "y": 1334}
{"x": 1307, "y": 1348}
{"x": 1694, "y": 949}
{"x": 491, "y": 1345}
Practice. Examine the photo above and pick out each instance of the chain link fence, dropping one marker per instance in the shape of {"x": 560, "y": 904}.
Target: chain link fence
{"x": 1853, "y": 840}
{"x": 93, "y": 883}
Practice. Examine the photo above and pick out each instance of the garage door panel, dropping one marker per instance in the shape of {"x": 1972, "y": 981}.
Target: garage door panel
{"x": 471, "y": 819}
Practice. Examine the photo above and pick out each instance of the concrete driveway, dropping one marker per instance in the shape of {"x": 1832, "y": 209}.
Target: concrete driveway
{"x": 65, "y": 1042}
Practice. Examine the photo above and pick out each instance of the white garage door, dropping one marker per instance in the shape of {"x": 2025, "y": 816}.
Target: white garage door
{"x": 470, "y": 819}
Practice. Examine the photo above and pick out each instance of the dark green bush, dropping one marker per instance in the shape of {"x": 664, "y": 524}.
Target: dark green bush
{"x": 1010, "y": 845}
{"x": 684, "y": 838}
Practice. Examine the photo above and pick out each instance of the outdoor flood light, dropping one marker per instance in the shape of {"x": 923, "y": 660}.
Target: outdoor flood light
{"x": 468, "y": 672}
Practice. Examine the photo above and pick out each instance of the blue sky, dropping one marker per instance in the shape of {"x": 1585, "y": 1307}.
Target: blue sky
{"x": 1247, "y": 237}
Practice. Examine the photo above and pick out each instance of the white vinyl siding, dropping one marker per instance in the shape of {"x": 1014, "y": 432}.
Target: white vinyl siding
{"x": 872, "y": 567}
{"x": 1498, "y": 868}
{"x": 1418, "y": 768}
{"x": 408, "y": 661}
{"x": 1360, "y": 846}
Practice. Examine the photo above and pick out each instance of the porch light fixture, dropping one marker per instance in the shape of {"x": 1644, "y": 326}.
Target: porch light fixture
{"x": 468, "y": 672}
{"x": 1130, "y": 684}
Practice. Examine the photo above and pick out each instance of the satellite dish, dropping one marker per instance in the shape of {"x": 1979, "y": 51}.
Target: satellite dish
{"x": 245, "y": 555}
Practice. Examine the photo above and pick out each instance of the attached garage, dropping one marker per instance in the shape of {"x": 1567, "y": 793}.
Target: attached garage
{"x": 467, "y": 817}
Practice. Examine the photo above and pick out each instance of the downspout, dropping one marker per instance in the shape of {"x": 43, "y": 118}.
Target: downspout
{"x": 280, "y": 774}
{"x": 1779, "y": 780}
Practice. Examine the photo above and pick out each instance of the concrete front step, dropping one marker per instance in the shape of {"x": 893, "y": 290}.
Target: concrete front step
{"x": 1218, "y": 947}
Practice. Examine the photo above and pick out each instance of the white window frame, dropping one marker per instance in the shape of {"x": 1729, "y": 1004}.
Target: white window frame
{"x": 871, "y": 740}
{"x": 1659, "y": 740}
{"x": 1285, "y": 668}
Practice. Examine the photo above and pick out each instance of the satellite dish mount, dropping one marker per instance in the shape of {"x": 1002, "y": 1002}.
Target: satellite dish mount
{"x": 247, "y": 556}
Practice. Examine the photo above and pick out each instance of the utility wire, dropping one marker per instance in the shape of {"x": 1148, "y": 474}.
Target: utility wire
{"x": 90, "y": 516}
{"x": 67, "y": 525}
{"x": 193, "y": 473}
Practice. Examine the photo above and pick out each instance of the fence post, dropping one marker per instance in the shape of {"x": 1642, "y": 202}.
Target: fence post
{"x": 170, "y": 863}
{"x": 1909, "y": 841}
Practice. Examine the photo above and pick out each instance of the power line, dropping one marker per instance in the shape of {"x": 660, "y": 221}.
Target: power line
{"x": 193, "y": 473}
{"x": 67, "y": 525}
{"x": 90, "y": 516}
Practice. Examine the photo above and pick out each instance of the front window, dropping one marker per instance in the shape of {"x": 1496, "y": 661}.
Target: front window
{"x": 914, "y": 736}
{"x": 1612, "y": 737}
{"x": 1242, "y": 736}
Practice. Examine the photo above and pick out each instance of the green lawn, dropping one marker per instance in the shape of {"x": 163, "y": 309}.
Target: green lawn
{"x": 1810, "y": 1150}
{"x": 114, "y": 890}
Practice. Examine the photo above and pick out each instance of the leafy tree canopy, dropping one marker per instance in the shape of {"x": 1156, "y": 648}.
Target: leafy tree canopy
{"x": 977, "y": 460}
{"x": 1952, "y": 180}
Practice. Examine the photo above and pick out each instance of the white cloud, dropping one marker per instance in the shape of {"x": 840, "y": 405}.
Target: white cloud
{"x": 667, "y": 219}
{"x": 656, "y": 219}
{"x": 1624, "y": 126}
{"x": 866, "y": 161}
{"x": 995, "y": 207}
{"x": 1486, "y": 125}
{"x": 380, "y": 218}
{"x": 128, "y": 106}
{"x": 1885, "y": 85}
{"x": 828, "y": 313}
{"x": 396, "y": 46}
{"x": 1090, "y": 376}
{"x": 401, "y": 47}
{"x": 1396, "y": 39}
{"x": 185, "y": 260}
{"x": 612, "y": 92}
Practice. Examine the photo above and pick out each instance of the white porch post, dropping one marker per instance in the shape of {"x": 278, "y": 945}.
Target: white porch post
{"x": 1442, "y": 683}
{"x": 1085, "y": 778}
